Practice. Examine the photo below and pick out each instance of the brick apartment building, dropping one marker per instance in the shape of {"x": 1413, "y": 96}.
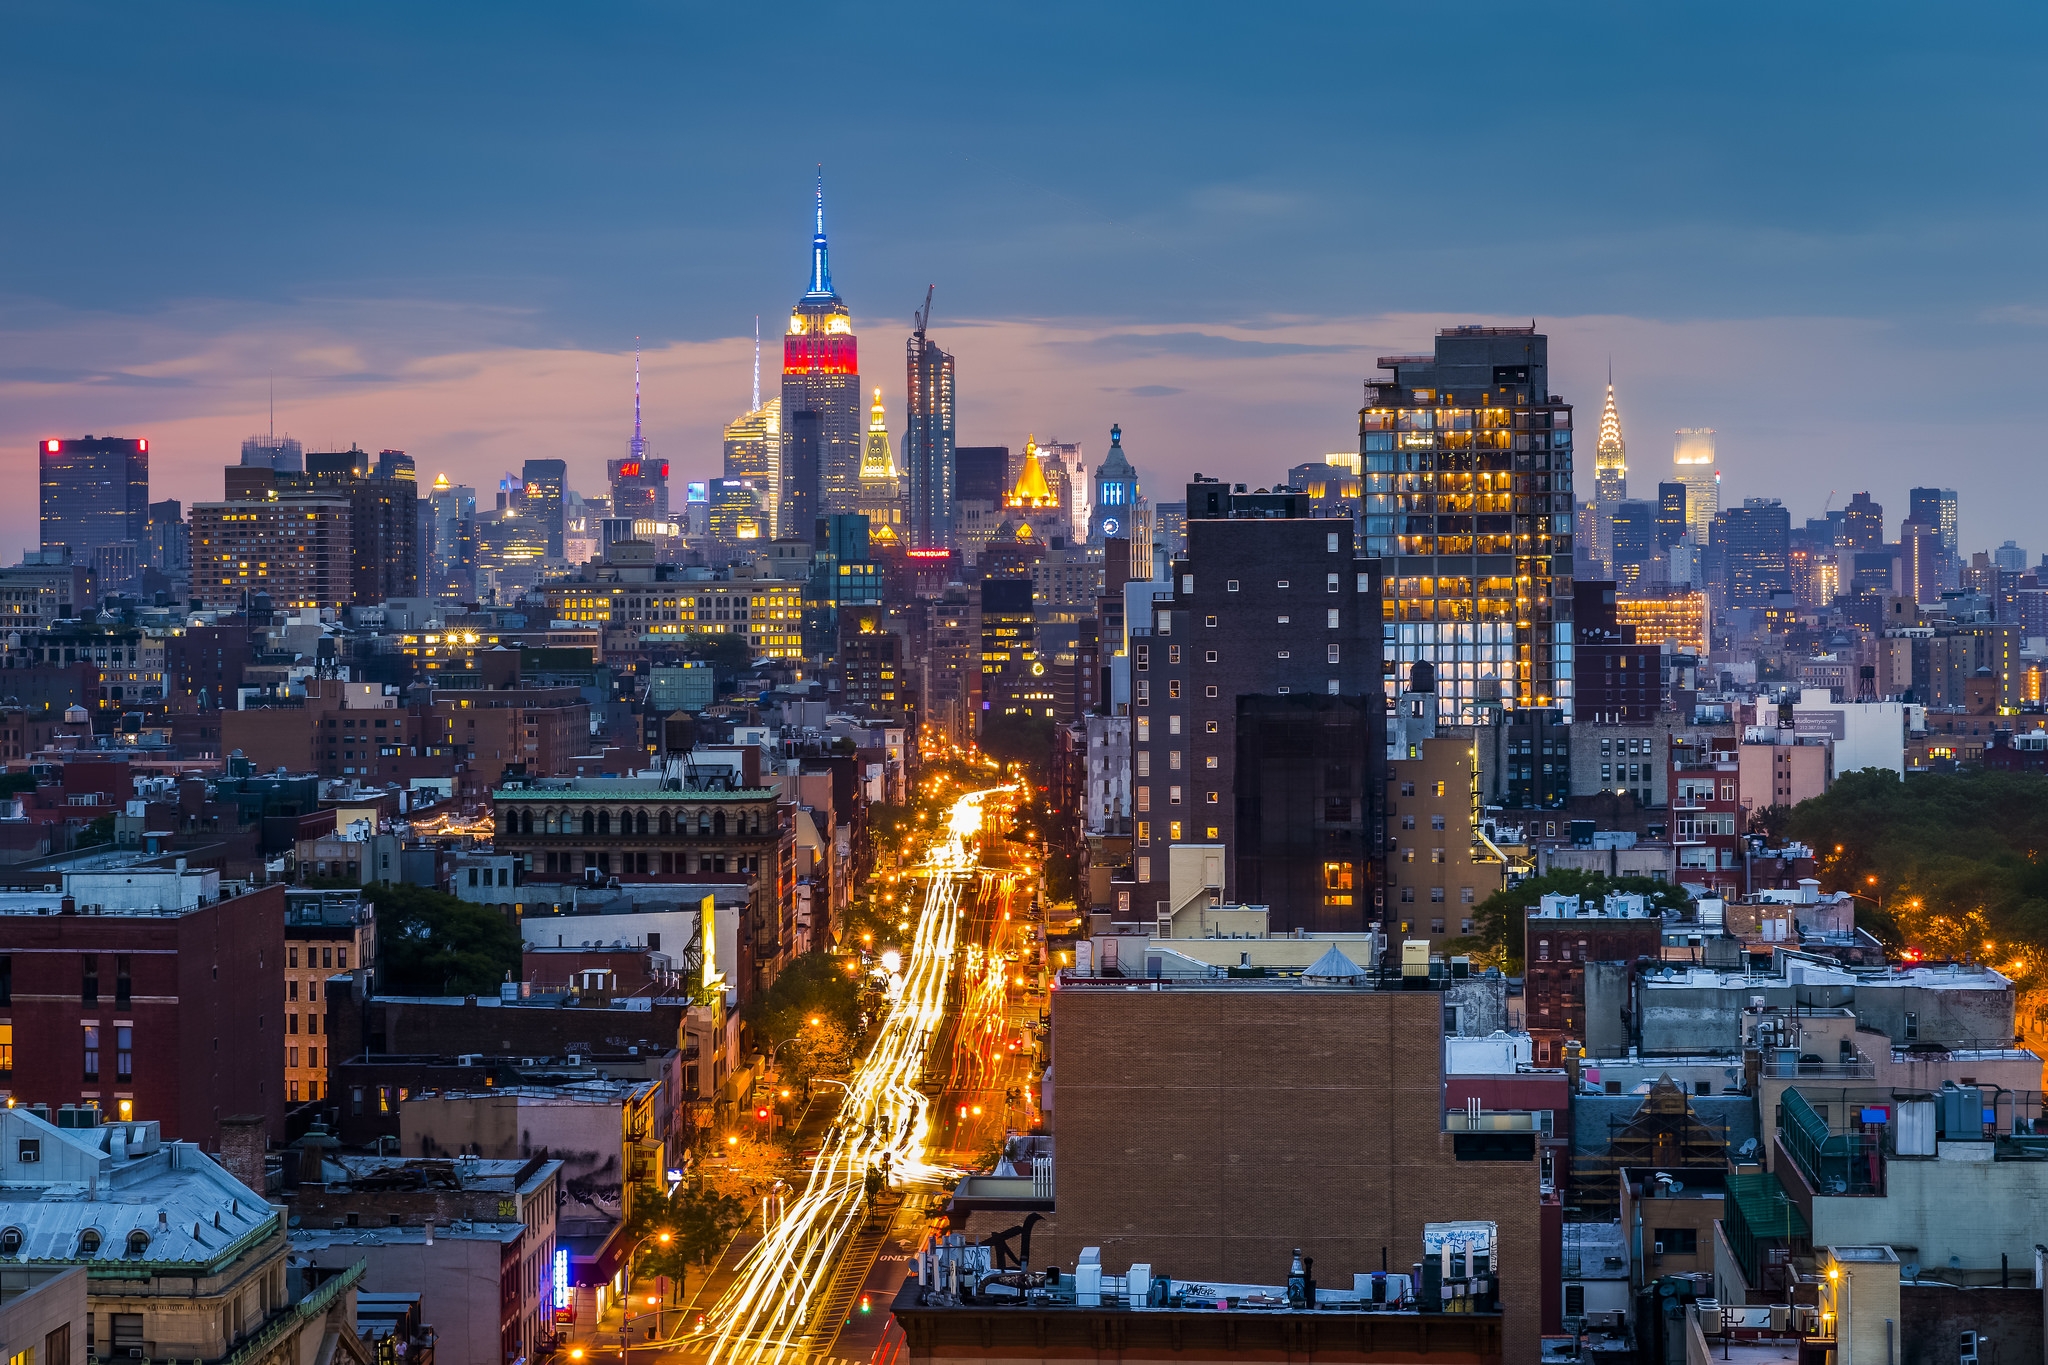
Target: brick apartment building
{"x": 148, "y": 993}
{"x": 1559, "y": 938}
{"x": 1210, "y": 1128}
{"x": 1257, "y": 706}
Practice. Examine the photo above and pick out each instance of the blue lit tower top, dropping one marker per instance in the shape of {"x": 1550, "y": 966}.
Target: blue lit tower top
{"x": 820, "y": 337}
{"x": 1116, "y": 492}
{"x": 821, "y": 261}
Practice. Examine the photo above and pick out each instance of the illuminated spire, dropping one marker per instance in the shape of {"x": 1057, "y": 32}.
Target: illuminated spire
{"x": 757, "y": 364}
{"x": 1032, "y": 490}
{"x": 877, "y": 461}
{"x": 821, "y": 265}
{"x": 1612, "y": 452}
{"x": 639, "y": 447}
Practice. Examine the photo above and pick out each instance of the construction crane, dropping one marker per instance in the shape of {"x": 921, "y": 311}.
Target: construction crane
{"x": 923, "y": 316}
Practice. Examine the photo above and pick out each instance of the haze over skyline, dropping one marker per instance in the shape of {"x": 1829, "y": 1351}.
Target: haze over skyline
{"x": 442, "y": 231}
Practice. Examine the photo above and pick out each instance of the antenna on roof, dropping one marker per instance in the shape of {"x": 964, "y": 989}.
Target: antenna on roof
{"x": 757, "y": 364}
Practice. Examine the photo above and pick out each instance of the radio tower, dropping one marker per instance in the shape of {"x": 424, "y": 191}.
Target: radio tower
{"x": 639, "y": 450}
{"x": 757, "y": 364}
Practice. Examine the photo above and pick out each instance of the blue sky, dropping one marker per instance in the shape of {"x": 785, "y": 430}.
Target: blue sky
{"x": 1816, "y": 229}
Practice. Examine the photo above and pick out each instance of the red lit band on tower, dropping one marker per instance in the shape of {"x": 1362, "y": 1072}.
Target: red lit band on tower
{"x": 820, "y": 355}
{"x": 630, "y": 469}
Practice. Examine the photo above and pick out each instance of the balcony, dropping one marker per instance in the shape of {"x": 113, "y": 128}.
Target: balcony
{"x": 1832, "y": 1163}
{"x": 1790, "y": 1064}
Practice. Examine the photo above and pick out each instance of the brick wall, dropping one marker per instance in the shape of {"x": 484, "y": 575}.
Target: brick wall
{"x": 1211, "y": 1131}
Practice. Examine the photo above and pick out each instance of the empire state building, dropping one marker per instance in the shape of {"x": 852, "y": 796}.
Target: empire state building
{"x": 821, "y": 429}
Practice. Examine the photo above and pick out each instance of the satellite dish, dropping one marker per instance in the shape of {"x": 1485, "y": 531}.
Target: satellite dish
{"x": 1747, "y": 1149}
{"x": 1910, "y": 1270}
{"x": 1676, "y": 1186}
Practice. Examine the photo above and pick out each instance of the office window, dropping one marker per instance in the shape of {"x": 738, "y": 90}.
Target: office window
{"x": 1407, "y": 894}
{"x": 92, "y": 1052}
{"x": 1210, "y": 621}
{"x": 1465, "y": 896}
{"x": 89, "y": 979}
{"x": 1679, "y": 1241}
{"x": 123, "y": 980}
{"x": 1215, "y": 832}
{"x": 1173, "y": 796}
{"x": 291, "y": 957}
{"x": 1210, "y": 798}
{"x": 1407, "y": 789}
{"x": 1173, "y": 830}
{"x": 1230, "y": 586}
{"x": 1436, "y": 896}
{"x": 1209, "y": 657}
{"x": 1436, "y": 822}
{"x": 1436, "y": 926}
{"x": 124, "y": 1052}
{"x": 1144, "y": 831}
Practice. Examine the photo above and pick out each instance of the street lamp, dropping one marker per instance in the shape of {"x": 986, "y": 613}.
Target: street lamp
{"x": 665, "y": 1237}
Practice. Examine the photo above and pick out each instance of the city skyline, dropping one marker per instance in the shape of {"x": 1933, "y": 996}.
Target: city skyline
{"x": 1727, "y": 299}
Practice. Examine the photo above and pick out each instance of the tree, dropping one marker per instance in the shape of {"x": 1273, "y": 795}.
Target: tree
{"x": 678, "y": 1230}
{"x": 816, "y": 985}
{"x": 1949, "y": 863}
{"x": 1500, "y": 916}
{"x": 430, "y": 943}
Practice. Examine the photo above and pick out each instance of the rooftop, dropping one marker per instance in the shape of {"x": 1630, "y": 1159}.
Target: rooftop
{"x": 117, "y": 1194}
{"x": 365, "y": 1173}
{"x": 461, "y": 1230}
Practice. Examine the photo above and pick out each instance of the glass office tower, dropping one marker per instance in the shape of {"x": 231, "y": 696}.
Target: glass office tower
{"x": 1468, "y": 482}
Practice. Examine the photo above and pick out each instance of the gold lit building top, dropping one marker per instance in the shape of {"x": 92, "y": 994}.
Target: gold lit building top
{"x": 1032, "y": 490}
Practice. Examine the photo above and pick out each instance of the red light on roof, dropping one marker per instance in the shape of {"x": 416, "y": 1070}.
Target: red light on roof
{"x": 50, "y": 445}
{"x": 144, "y": 443}
{"x": 664, "y": 469}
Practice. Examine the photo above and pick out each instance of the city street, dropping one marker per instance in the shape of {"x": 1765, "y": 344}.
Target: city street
{"x": 948, "y": 1074}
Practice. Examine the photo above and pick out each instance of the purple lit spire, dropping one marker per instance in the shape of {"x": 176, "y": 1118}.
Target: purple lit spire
{"x": 639, "y": 449}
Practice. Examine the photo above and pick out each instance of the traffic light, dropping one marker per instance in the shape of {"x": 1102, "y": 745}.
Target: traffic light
{"x": 864, "y": 1303}
{"x": 761, "y": 1114}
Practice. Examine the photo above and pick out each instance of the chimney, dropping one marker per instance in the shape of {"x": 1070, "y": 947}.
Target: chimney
{"x": 244, "y": 1138}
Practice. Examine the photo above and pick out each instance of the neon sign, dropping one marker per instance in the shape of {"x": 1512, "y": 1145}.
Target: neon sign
{"x": 563, "y": 1298}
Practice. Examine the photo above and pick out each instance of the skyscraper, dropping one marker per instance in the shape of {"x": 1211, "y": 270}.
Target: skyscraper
{"x": 1936, "y": 508}
{"x": 639, "y": 482}
{"x": 928, "y": 441}
{"x": 1862, "y": 523}
{"x": 820, "y": 376}
{"x": 1468, "y": 502}
{"x": 1671, "y": 527}
{"x": 451, "y": 557}
{"x": 753, "y": 448}
{"x": 1693, "y": 455}
{"x": 1610, "y": 476}
{"x": 753, "y": 454}
{"x": 546, "y": 481}
{"x": 95, "y": 492}
{"x": 1116, "y": 492}
{"x": 1754, "y": 542}
{"x": 271, "y": 451}
{"x": 881, "y": 484}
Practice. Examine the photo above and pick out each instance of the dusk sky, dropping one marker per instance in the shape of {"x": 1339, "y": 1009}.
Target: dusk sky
{"x": 1817, "y": 229}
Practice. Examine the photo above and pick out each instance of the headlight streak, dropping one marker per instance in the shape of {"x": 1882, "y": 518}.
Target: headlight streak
{"x": 765, "y": 1315}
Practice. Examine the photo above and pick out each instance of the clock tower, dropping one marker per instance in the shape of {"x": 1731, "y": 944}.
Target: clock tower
{"x": 1116, "y": 493}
